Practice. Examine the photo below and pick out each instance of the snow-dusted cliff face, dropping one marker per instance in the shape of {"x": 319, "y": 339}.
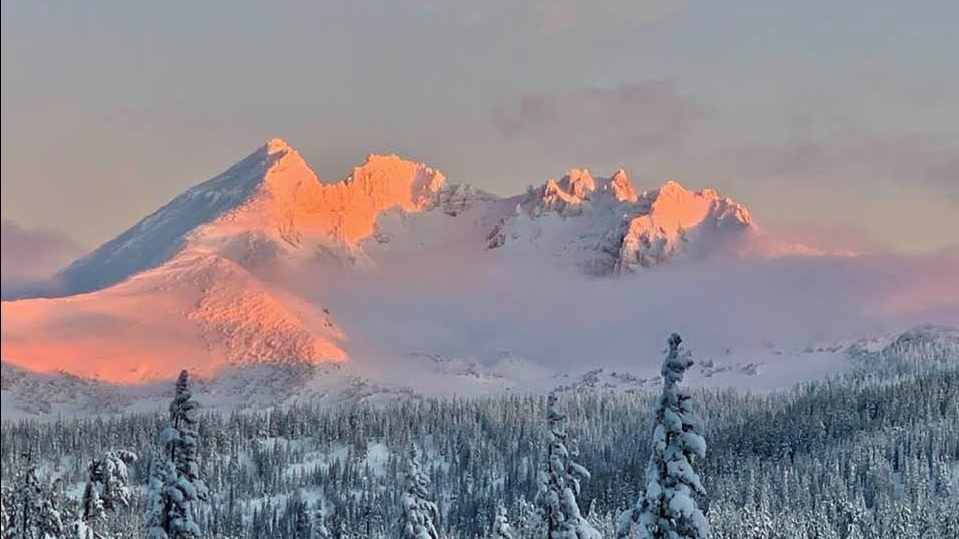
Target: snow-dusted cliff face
{"x": 604, "y": 227}
{"x": 676, "y": 218}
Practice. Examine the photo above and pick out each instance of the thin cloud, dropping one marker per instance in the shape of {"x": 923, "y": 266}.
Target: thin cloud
{"x": 822, "y": 146}
{"x": 551, "y": 18}
{"x": 832, "y": 237}
{"x": 945, "y": 176}
{"x": 598, "y": 125}
{"x": 31, "y": 256}
{"x": 558, "y": 318}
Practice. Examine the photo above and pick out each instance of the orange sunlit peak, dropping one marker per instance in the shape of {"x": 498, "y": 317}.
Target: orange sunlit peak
{"x": 275, "y": 145}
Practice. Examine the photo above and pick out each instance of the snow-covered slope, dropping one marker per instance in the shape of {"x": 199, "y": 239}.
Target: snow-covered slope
{"x": 197, "y": 311}
{"x": 922, "y": 346}
{"x": 268, "y": 204}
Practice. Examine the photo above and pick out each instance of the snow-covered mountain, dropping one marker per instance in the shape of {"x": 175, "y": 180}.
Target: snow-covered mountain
{"x": 265, "y": 265}
{"x": 603, "y": 227}
{"x": 269, "y": 204}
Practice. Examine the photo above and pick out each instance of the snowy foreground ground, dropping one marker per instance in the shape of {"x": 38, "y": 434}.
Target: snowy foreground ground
{"x": 871, "y": 452}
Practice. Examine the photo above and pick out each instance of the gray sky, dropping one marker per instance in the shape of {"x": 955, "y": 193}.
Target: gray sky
{"x": 825, "y": 118}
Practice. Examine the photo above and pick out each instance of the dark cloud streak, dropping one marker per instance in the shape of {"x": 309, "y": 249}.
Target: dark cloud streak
{"x": 598, "y": 125}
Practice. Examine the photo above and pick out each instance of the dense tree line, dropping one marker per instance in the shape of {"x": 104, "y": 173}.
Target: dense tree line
{"x": 859, "y": 456}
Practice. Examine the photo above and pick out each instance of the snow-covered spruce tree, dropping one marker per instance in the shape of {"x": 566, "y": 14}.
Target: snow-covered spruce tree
{"x": 419, "y": 513}
{"x": 105, "y": 491}
{"x": 319, "y": 530}
{"x": 501, "y": 528}
{"x": 297, "y": 509}
{"x": 526, "y": 519}
{"x": 183, "y": 437}
{"x": 33, "y": 514}
{"x": 667, "y": 508}
{"x": 175, "y": 483}
{"x": 4, "y": 515}
{"x": 160, "y": 497}
{"x": 559, "y": 483}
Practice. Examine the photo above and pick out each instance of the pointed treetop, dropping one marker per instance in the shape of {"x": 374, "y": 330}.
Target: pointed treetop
{"x": 676, "y": 362}
{"x": 183, "y": 405}
{"x": 183, "y": 381}
{"x": 553, "y": 413}
{"x": 674, "y": 341}
{"x": 413, "y": 453}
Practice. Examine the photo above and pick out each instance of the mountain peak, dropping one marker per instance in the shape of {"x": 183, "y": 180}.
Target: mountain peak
{"x": 672, "y": 188}
{"x": 629, "y": 231}
{"x": 272, "y": 174}
{"x": 675, "y": 219}
{"x": 391, "y": 180}
{"x": 275, "y": 145}
{"x": 675, "y": 207}
{"x": 269, "y": 203}
{"x": 578, "y": 183}
{"x": 622, "y": 188}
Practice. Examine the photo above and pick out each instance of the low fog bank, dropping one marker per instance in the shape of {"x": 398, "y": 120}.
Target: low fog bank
{"x": 476, "y": 306}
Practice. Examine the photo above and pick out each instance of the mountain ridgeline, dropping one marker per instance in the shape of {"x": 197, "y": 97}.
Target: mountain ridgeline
{"x": 235, "y": 271}
{"x": 272, "y": 203}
